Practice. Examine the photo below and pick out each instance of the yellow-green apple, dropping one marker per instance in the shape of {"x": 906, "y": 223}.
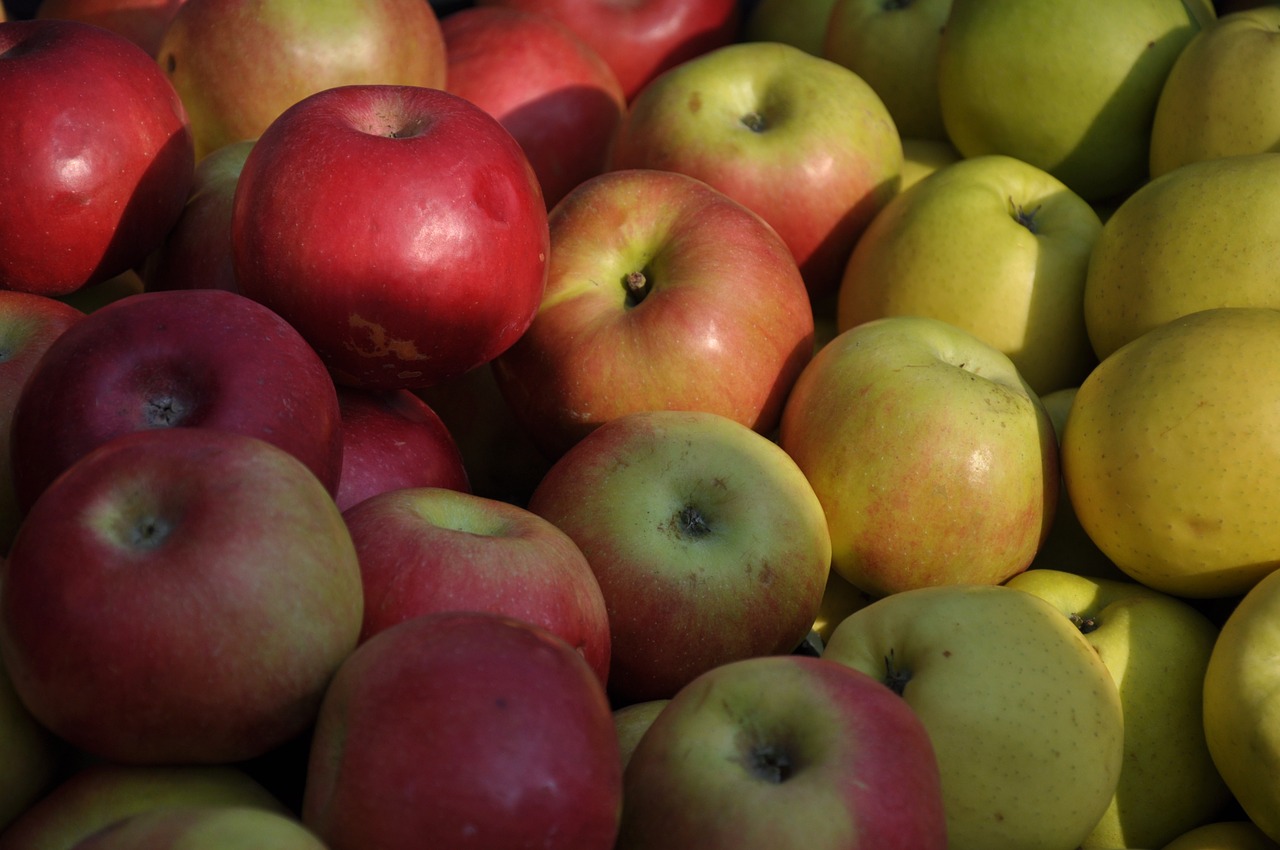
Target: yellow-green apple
{"x": 992, "y": 245}
{"x": 707, "y": 541}
{"x": 1195, "y": 238}
{"x": 922, "y": 157}
{"x": 662, "y": 293}
{"x": 553, "y": 91}
{"x": 894, "y": 47}
{"x": 464, "y": 728}
{"x": 92, "y": 182}
{"x": 840, "y": 599}
{"x": 30, "y": 755}
{"x": 1224, "y": 835}
{"x": 1069, "y": 86}
{"x": 138, "y": 622}
{"x": 784, "y": 751}
{"x": 1156, "y": 647}
{"x": 204, "y": 827}
{"x": 141, "y": 21}
{"x": 196, "y": 252}
{"x": 428, "y": 549}
{"x": 94, "y": 796}
{"x": 632, "y": 720}
{"x": 800, "y": 23}
{"x": 448, "y": 265}
{"x": 95, "y": 295}
{"x": 1024, "y": 717}
{"x": 1170, "y": 474}
{"x": 393, "y": 439}
{"x": 196, "y": 358}
{"x": 1219, "y": 97}
{"x": 802, "y": 141}
{"x": 642, "y": 38}
{"x": 933, "y": 460}
{"x": 238, "y": 64}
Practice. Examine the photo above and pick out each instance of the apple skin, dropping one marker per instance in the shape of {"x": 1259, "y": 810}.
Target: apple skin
{"x": 721, "y": 322}
{"x": 427, "y": 549}
{"x": 641, "y": 39}
{"x": 631, "y": 721}
{"x": 199, "y": 358}
{"x": 449, "y": 265}
{"x": 934, "y": 461}
{"x": 464, "y": 728}
{"x": 800, "y": 23}
{"x": 1224, "y": 835}
{"x": 141, "y": 21}
{"x": 707, "y": 541}
{"x": 238, "y": 64}
{"x": 784, "y": 751}
{"x": 137, "y": 622}
{"x": 30, "y": 756}
{"x": 93, "y": 183}
{"x": 799, "y": 139}
{"x": 204, "y": 828}
{"x": 556, "y": 94}
{"x": 393, "y": 439}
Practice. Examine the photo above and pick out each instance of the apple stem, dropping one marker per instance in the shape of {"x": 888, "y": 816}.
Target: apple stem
{"x": 637, "y": 286}
{"x": 895, "y": 677}
{"x": 1083, "y": 623}
{"x": 771, "y": 764}
{"x": 754, "y": 122}
{"x": 691, "y": 522}
{"x": 1027, "y": 218}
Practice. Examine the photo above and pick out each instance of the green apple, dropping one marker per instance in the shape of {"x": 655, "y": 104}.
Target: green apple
{"x": 1066, "y": 85}
{"x": 1201, "y": 236}
{"x": 632, "y": 721}
{"x": 800, "y": 23}
{"x": 1156, "y": 647}
{"x": 1220, "y": 96}
{"x": 30, "y": 756}
{"x": 934, "y": 462}
{"x": 922, "y": 157}
{"x": 208, "y": 827}
{"x": 1024, "y": 717}
{"x": 840, "y": 600}
{"x": 1224, "y": 835}
{"x": 1171, "y": 456}
{"x": 894, "y": 47}
{"x": 990, "y": 244}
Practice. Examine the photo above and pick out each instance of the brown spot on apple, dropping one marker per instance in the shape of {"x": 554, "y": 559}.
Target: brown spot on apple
{"x": 380, "y": 343}
{"x": 695, "y": 102}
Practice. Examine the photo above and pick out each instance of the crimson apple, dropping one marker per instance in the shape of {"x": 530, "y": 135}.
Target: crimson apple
{"x": 202, "y": 358}
{"x": 96, "y": 154}
{"x": 141, "y": 21}
{"x": 400, "y": 229}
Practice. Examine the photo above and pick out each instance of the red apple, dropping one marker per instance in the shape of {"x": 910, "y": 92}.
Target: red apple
{"x": 663, "y": 293}
{"x": 96, "y": 155}
{"x": 199, "y": 358}
{"x": 464, "y": 729}
{"x": 552, "y": 90}
{"x": 426, "y": 549}
{"x": 180, "y": 596}
{"x": 401, "y": 230}
{"x": 642, "y": 38}
{"x": 141, "y": 21}
{"x": 238, "y": 64}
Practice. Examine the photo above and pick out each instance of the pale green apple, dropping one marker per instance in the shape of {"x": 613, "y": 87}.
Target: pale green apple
{"x": 1067, "y": 85}
{"x": 1223, "y": 835}
{"x": 1024, "y": 717}
{"x": 1201, "y": 236}
{"x": 922, "y": 157}
{"x": 29, "y": 755}
{"x": 800, "y": 23}
{"x": 934, "y": 462}
{"x": 207, "y": 827}
{"x": 992, "y": 245}
{"x": 1222, "y": 95}
{"x": 894, "y": 47}
{"x": 1171, "y": 456}
{"x": 1156, "y": 647}
{"x": 631, "y": 721}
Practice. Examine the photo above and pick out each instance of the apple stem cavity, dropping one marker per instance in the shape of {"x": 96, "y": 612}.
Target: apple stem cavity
{"x": 754, "y": 122}
{"x": 1084, "y": 623}
{"x": 1025, "y": 217}
{"x": 894, "y": 676}
{"x": 637, "y": 286}
{"x": 690, "y": 522}
{"x": 149, "y": 532}
{"x": 770, "y": 763}
{"x": 164, "y": 412}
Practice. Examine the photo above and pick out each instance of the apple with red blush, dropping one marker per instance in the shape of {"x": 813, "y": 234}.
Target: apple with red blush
{"x": 141, "y": 21}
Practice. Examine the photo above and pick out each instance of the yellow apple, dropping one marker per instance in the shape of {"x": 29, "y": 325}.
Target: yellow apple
{"x": 922, "y": 157}
{"x": 840, "y": 600}
{"x": 800, "y": 23}
{"x": 632, "y": 720}
{"x": 1224, "y": 835}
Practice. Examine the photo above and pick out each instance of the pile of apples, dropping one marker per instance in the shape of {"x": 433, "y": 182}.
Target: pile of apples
{"x": 667, "y": 424}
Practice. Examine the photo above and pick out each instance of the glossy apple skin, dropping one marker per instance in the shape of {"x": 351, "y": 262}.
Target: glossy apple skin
{"x": 141, "y": 21}
{"x": 204, "y": 828}
{"x": 643, "y": 38}
{"x": 390, "y": 440}
{"x": 448, "y": 263}
{"x": 97, "y": 169}
{"x": 725, "y": 325}
{"x": 182, "y": 359}
{"x": 138, "y": 622}
{"x": 464, "y": 728}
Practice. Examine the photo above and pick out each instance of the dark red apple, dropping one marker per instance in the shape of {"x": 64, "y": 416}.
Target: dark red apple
{"x": 141, "y": 21}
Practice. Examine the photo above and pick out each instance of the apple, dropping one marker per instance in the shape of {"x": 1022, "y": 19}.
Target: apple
{"x": 448, "y": 265}
{"x": 209, "y": 827}
{"x": 1077, "y": 82}
{"x": 141, "y": 21}
{"x": 707, "y": 541}
{"x": 922, "y": 157}
{"x": 800, "y": 23}
{"x": 464, "y": 728}
{"x": 784, "y": 751}
{"x": 30, "y": 756}
{"x": 138, "y": 622}
{"x": 201, "y": 358}
{"x": 1169, "y": 453}
{"x": 238, "y": 64}
{"x": 641, "y": 38}
{"x": 840, "y": 599}
{"x": 553, "y": 91}
{"x": 428, "y": 549}
{"x": 1224, "y": 835}
{"x": 934, "y": 461}
{"x": 1156, "y": 647}
{"x": 1024, "y": 717}
{"x": 92, "y": 182}
{"x": 662, "y": 293}
{"x": 801, "y": 140}
{"x": 992, "y": 245}
{"x": 632, "y": 720}
{"x": 393, "y": 439}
